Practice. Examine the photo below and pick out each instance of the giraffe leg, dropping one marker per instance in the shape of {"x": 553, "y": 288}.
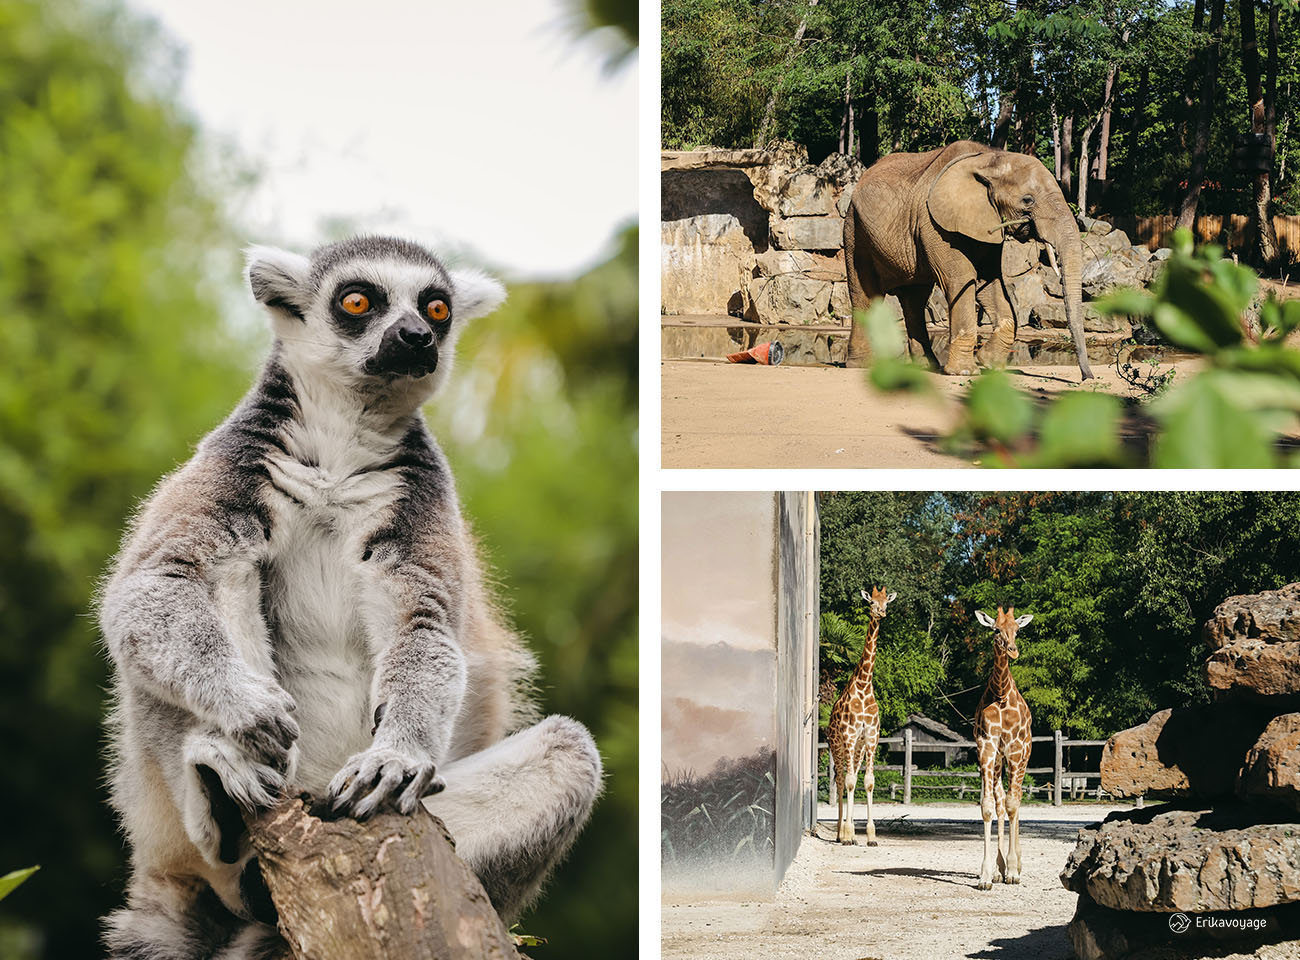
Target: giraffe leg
{"x": 841, "y": 759}
{"x": 869, "y": 785}
{"x": 1013, "y": 813}
{"x": 988, "y": 808}
{"x": 999, "y": 875}
{"x": 848, "y": 829}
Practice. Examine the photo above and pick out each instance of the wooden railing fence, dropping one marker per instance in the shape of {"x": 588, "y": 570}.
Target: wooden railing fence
{"x": 1060, "y": 776}
{"x": 1229, "y": 232}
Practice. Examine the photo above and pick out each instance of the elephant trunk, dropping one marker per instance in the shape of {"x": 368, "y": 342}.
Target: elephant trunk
{"x": 1063, "y": 235}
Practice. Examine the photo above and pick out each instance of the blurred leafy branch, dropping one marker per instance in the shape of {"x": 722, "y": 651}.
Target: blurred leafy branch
{"x": 1231, "y": 413}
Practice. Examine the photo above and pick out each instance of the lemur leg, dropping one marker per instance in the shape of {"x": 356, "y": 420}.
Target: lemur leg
{"x": 515, "y": 808}
{"x": 177, "y": 919}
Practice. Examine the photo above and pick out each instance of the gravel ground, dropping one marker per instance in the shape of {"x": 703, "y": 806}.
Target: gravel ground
{"x": 913, "y": 897}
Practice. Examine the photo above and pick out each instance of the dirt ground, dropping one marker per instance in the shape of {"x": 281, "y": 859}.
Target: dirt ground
{"x": 913, "y": 897}
{"x": 718, "y": 414}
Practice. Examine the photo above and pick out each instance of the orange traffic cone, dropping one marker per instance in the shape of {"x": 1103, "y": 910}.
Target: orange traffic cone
{"x": 767, "y": 354}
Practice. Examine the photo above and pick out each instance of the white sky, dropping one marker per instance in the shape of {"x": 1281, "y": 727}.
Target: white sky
{"x": 488, "y": 127}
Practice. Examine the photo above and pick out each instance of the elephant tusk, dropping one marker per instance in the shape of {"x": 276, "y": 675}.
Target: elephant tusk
{"x": 1051, "y": 258}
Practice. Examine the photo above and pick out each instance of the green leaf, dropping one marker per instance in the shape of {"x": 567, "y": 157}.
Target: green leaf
{"x": 1081, "y": 429}
{"x": 1127, "y": 302}
{"x": 889, "y": 369}
{"x": 996, "y": 409}
{"x": 11, "y": 881}
{"x": 1204, "y": 425}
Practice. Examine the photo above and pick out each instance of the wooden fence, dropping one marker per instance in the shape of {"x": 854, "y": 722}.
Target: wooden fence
{"x": 1060, "y": 776}
{"x": 1229, "y": 232}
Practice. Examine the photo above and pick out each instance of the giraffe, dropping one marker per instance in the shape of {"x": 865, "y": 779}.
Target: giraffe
{"x": 1002, "y": 733}
{"x": 854, "y": 728}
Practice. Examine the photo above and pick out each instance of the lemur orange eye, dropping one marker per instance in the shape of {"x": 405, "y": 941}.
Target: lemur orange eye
{"x": 438, "y": 310}
{"x": 355, "y": 303}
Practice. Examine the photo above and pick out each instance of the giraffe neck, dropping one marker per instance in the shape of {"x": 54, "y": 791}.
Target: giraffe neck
{"x": 1001, "y": 683}
{"x": 867, "y": 662}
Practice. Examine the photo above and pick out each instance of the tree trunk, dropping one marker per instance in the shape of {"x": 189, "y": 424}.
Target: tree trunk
{"x": 1067, "y": 155}
{"x": 1189, "y": 80}
{"x": 1261, "y": 224}
{"x": 1205, "y": 109}
{"x": 1056, "y": 144}
{"x": 846, "y": 119}
{"x": 1103, "y": 145}
{"x": 391, "y": 887}
{"x": 1003, "y": 124}
{"x": 1136, "y": 117}
{"x": 1025, "y": 91}
{"x": 1086, "y": 140}
{"x": 769, "y": 110}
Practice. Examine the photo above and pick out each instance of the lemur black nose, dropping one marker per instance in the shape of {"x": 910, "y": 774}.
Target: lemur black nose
{"x": 414, "y": 332}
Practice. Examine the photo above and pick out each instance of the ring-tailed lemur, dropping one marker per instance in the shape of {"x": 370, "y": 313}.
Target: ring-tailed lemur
{"x": 300, "y": 608}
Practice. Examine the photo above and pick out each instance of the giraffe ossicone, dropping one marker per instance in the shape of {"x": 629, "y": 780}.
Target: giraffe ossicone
{"x": 1002, "y": 733}
{"x": 854, "y": 728}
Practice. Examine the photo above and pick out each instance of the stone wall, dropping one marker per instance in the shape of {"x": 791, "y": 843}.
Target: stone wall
{"x": 758, "y": 235}
{"x": 1228, "y": 847}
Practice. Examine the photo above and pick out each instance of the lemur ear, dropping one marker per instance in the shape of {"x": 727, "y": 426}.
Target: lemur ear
{"x": 1022, "y": 621}
{"x": 278, "y": 279}
{"x": 985, "y": 619}
{"x": 890, "y": 598}
{"x": 474, "y": 293}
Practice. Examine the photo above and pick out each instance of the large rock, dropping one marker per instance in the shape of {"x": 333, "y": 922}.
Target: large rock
{"x": 1191, "y": 751}
{"x": 1271, "y": 615}
{"x": 1108, "y": 272}
{"x": 705, "y": 262}
{"x": 843, "y": 172}
{"x": 1051, "y": 313}
{"x": 841, "y": 306}
{"x": 1099, "y": 933}
{"x": 789, "y": 299}
{"x": 1194, "y": 861}
{"x": 1256, "y": 670}
{"x": 805, "y": 193}
{"x": 808, "y": 233}
{"x": 1272, "y": 768}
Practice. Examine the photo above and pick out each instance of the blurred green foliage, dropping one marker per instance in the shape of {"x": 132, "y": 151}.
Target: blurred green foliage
{"x": 1119, "y": 585}
{"x": 1236, "y": 412}
{"x": 115, "y": 263}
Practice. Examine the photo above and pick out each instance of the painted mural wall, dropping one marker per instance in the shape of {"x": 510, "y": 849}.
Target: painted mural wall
{"x": 733, "y": 786}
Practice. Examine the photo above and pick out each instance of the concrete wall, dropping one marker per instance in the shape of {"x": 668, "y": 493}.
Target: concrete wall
{"x": 738, "y": 572}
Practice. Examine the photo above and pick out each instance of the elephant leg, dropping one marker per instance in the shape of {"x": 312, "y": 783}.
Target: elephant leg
{"x": 864, "y": 285}
{"x": 996, "y": 350}
{"x": 961, "y": 325}
{"x": 913, "y": 300}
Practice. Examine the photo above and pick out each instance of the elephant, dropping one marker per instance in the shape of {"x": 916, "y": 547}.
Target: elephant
{"x": 917, "y": 219}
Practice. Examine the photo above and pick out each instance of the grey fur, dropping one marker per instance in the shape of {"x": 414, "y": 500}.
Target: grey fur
{"x": 301, "y": 608}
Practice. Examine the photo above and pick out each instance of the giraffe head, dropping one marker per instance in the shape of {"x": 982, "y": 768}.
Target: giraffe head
{"x": 877, "y": 600}
{"x": 1005, "y": 627}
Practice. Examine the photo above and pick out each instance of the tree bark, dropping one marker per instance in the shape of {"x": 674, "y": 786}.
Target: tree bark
{"x": 1261, "y": 223}
{"x": 769, "y": 110}
{"x": 1067, "y": 154}
{"x": 1056, "y": 144}
{"x": 1002, "y": 126}
{"x": 846, "y": 119}
{"x": 390, "y": 887}
{"x": 1205, "y": 109}
{"x": 1102, "y": 117}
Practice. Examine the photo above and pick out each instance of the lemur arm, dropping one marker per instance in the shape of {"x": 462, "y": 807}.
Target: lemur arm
{"x": 181, "y": 620}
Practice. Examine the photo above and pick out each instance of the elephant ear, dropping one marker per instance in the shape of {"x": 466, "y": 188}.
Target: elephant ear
{"x": 959, "y": 198}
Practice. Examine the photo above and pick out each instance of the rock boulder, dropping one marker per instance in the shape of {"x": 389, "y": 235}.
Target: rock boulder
{"x": 1188, "y": 752}
{"x": 1272, "y": 615}
{"x": 1272, "y": 767}
{"x": 1164, "y": 860}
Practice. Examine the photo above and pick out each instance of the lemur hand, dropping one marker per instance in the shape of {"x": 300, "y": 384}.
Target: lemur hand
{"x": 260, "y": 723}
{"x": 383, "y": 776}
